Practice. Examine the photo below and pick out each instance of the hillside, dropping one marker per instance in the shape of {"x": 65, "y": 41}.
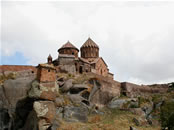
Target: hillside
{"x": 82, "y": 102}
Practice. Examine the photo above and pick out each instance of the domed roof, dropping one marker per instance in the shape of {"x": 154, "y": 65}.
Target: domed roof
{"x": 90, "y": 43}
{"x": 68, "y": 45}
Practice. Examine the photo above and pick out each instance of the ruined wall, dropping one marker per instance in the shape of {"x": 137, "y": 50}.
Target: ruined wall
{"x": 134, "y": 90}
{"x": 13, "y": 68}
{"x": 46, "y": 75}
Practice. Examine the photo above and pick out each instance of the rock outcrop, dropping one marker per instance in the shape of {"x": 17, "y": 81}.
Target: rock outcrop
{"x": 134, "y": 90}
{"x": 47, "y": 91}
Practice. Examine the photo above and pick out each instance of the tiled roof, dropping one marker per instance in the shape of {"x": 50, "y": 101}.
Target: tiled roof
{"x": 84, "y": 60}
{"x": 96, "y": 60}
{"x": 68, "y": 45}
{"x": 90, "y": 43}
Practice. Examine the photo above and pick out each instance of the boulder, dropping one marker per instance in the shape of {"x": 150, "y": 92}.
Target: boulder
{"x": 59, "y": 101}
{"x": 76, "y": 98}
{"x": 132, "y": 128}
{"x": 75, "y": 114}
{"x": 45, "y": 110}
{"x": 137, "y": 111}
{"x": 122, "y": 103}
{"x": 141, "y": 121}
{"x": 47, "y": 91}
{"x": 67, "y": 85}
{"x": 15, "y": 90}
{"x": 78, "y": 88}
{"x": 104, "y": 91}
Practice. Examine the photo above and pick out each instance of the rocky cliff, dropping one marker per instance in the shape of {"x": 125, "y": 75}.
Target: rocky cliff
{"x": 86, "y": 101}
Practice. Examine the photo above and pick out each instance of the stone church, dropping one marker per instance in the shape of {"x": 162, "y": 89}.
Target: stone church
{"x": 89, "y": 61}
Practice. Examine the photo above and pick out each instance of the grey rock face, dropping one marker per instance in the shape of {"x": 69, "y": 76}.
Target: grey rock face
{"x": 68, "y": 84}
{"x": 75, "y": 114}
{"x": 15, "y": 90}
{"x": 119, "y": 103}
{"x": 14, "y": 105}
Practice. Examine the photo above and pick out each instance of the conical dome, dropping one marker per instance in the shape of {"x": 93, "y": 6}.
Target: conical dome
{"x": 69, "y": 49}
{"x": 90, "y": 43}
{"x": 89, "y": 49}
{"x": 68, "y": 45}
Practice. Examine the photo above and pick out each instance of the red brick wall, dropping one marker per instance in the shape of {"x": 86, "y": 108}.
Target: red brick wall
{"x": 4, "y": 68}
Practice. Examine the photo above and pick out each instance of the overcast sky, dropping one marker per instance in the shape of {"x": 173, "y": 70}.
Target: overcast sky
{"x": 136, "y": 39}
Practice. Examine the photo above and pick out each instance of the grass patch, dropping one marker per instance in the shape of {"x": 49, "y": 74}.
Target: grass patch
{"x": 6, "y": 77}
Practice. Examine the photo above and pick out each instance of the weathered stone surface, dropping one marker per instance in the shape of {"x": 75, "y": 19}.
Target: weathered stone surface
{"x": 104, "y": 92}
{"x": 137, "y": 111}
{"x": 59, "y": 102}
{"x": 134, "y": 90}
{"x": 147, "y": 109}
{"x": 47, "y": 91}
{"x": 31, "y": 121}
{"x": 45, "y": 109}
{"x": 132, "y": 128}
{"x": 43, "y": 124}
{"x": 76, "y": 98}
{"x": 5, "y": 122}
{"x": 121, "y": 103}
{"x": 78, "y": 88}
{"x": 75, "y": 114}
{"x": 141, "y": 121}
{"x": 15, "y": 90}
{"x": 68, "y": 84}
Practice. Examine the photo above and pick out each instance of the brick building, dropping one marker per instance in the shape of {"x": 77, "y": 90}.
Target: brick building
{"x": 89, "y": 61}
{"x": 46, "y": 73}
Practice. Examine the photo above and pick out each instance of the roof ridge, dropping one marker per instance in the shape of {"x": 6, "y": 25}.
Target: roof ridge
{"x": 68, "y": 44}
{"x": 90, "y": 43}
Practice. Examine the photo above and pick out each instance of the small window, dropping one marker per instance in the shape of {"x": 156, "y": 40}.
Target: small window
{"x": 72, "y": 53}
{"x": 49, "y": 70}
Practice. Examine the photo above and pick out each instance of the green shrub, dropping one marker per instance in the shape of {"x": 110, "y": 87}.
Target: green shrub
{"x": 167, "y": 115}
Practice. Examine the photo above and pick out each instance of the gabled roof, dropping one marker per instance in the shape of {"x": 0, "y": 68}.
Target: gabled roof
{"x": 97, "y": 59}
{"x": 84, "y": 60}
{"x": 68, "y": 45}
{"x": 90, "y": 43}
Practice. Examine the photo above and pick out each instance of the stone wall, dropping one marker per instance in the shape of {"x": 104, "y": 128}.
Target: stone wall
{"x": 69, "y": 51}
{"x": 89, "y": 52}
{"x": 101, "y": 68}
{"x": 134, "y": 90}
{"x": 67, "y": 64}
{"x": 46, "y": 75}
{"x": 13, "y": 68}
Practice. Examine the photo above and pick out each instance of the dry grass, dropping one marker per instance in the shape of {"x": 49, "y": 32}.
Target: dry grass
{"x": 112, "y": 120}
{"x": 6, "y": 77}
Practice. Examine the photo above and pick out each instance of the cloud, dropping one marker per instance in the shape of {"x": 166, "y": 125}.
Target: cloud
{"x": 135, "y": 38}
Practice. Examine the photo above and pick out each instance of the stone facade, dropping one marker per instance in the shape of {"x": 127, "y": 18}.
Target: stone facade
{"x": 46, "y": 73}
{"x": 69, "y": 49}
{"x": 68, "y": 60}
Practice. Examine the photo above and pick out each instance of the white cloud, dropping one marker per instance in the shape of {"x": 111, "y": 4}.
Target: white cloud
{"x": 135, "y": 38}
